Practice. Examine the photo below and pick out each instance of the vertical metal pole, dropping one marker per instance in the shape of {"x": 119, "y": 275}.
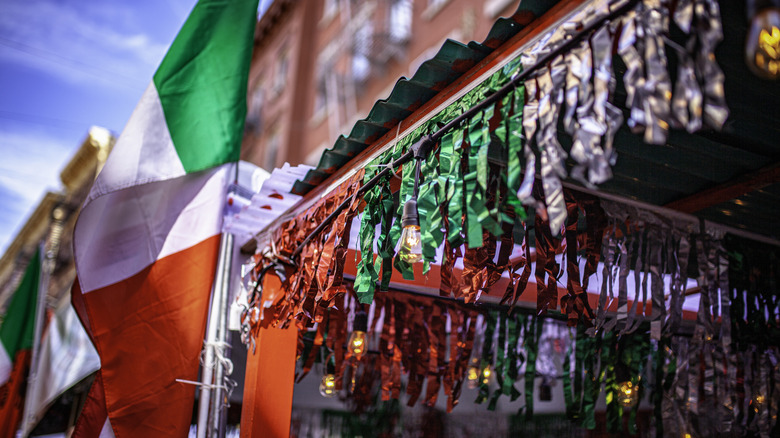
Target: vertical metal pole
{"x": 48, "y": 257}
{"x": 218, "y": 402}
{"x": 210, "y": 405}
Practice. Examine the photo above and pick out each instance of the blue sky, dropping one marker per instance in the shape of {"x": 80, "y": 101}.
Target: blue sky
{"x": 66, "y": 65}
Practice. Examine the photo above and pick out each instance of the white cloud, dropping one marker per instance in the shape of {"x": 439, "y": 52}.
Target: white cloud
{"x": 78, "y": 42}
{"x": 30, "y": 166}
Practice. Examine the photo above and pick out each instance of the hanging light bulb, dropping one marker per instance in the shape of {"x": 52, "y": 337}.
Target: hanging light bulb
{"x": 473, "y": 373}
{"x": 762, "y": 45}
{"x": 328, "y": 386}
{"x": 487, "y": 371}
{"x": 357, "y": 343}
{"x": 628, "y": 394}
{"x": 758, "y": 401}
{"x": 411, "y": 239}
{"x": 410, "y": 249}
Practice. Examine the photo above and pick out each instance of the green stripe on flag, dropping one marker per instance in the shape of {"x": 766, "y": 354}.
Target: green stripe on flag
{"x": 16, "y": 332}
{"x": 202, "y": 82}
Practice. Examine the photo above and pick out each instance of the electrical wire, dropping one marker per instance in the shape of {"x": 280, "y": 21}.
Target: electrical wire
{"x": 493, "y": 98}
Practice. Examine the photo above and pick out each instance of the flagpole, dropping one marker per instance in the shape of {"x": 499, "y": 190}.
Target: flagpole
{"x": 48, "y": 262}
{"x": 211, "y": 407}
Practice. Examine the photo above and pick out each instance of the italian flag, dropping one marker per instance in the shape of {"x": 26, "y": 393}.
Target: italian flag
{"x": 16, "y": 340}
{"x": 147, "y": 238}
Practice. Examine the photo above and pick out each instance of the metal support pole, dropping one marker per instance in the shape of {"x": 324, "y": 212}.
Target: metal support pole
{"x": 211, "y": 421}
{"x": 48, "y": 259}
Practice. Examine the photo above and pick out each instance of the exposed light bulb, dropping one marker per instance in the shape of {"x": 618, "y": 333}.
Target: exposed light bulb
{"x": 410, "y": 249}
{"x": 328, "y": 385}
{"x": 411, "y": 244}
{"x": 473, "y": 373}
{"x": 762, "y": 45}
{"x": 357, "y": 343}
{"x": 487, "y": 371}
{"x": 628, "y": 394}
{"x": 758, "y": 401}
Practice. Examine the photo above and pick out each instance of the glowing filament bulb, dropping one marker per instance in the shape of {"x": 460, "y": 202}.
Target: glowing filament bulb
{"x": 628, "y": 394}
{"x": 328, "y": 385}
{"x": 357, "y": 343}
{"x": 473, "y": 373}
{"x": 762, "y": 46}
{"x": 487, "y": 371}
{"x": 411, "y": 244}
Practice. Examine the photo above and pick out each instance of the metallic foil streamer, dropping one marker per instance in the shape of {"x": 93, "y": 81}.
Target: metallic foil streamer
{"x": 761, "y": 395}
{"x": 679, "y": 253}
{"x": 609, "y": 247}
{"x": 710, "y": 33}
{"x": 683, "y": 14}
{"x": 655, "y": 240}
{"x": 774, "y": 400}
{"x": 577, "y": 77}
{"x": 687, "y": 99}
{"x": 630, "y": 48}
{"x": 607, "y": 117}
{"x": 552, "y": 154}
{"x": 588, "y": 129}
{"x": 729, "y": 369}
{"x": 657, "y": 87}
{"x": 633, "y": 322}
{"x": 530, "y": 116}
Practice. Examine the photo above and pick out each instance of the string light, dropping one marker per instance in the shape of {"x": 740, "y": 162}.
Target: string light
{"x": 328, "y": 386}
{"x": 357, "y": 340}
{"x": 473, "y": 373}
{"x": 487, "y": 371}
{"x": 410, "y": 249}
{"x": 758, "y": 401}
{"x": 628, "y": 394}
{"x": 411, "y": 238}
{"x": 762, "y": 45}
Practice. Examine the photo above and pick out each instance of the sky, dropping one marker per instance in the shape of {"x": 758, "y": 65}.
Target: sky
{"x": 66, "y": 65}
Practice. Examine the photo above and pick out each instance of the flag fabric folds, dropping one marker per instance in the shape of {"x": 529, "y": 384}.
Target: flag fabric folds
{"x": 16, "y": 340}
{"x": 147, "y": 238}
{"x": 66, "y": 357}
{"x": 16, "y": 331}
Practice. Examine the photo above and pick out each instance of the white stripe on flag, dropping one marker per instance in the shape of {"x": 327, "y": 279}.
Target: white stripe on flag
{"x": 5, "y": 365}
{"x": 136, "y": 226}
{"x": 144, "y": 152}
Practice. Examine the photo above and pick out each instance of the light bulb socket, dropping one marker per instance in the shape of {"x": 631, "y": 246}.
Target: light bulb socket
{"x": 361, "y": 322}
{"x": 410, "y": 216}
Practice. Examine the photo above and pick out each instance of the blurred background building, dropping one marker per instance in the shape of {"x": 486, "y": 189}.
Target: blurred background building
{"x": 50, "y": 229}
{"x": 53, "y": 220}
{"x": 319, "y": 65}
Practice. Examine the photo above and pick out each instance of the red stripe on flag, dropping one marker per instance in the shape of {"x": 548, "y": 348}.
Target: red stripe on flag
{"x": 93, "y": 414}
{"x": 12, "y": 395}
{"x": 148, "y": 330}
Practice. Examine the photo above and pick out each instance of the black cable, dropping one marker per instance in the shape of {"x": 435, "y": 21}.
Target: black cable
{"x": 425, "y": 142}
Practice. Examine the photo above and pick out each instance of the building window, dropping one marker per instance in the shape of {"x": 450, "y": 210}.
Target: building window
{"x": 330, "y": 9}
{"x": 272, "y": 150}
{"x": 282, "y": 69}
{"x": 254, "y": 115}
{"x": 361, "y": 50}
{"x": 433, "y": 8}
{"x": 320, "y": 98}
{"x": 400, "y": 22}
